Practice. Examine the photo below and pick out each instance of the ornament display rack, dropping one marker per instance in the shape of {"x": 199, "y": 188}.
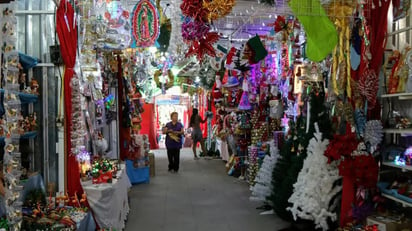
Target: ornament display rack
{"x": 404, "y": 203}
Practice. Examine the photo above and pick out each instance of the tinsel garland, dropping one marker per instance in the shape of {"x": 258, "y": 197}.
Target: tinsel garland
{"x": 195, "y": 10}
{"x": 311, "y": 200}
{"x": 177, "y": 47}
{"x": 194, "y": 30}
{"x": 218, "y": 8}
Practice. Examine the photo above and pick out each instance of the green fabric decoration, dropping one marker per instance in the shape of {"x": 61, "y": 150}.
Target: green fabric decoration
{"x": 321, "y": 34}
{"x": 259, "y": 51}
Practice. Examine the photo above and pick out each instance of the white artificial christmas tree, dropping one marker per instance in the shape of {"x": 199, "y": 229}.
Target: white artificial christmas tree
{"x": 263, "y": 186}
{"x": 315, "y": 187}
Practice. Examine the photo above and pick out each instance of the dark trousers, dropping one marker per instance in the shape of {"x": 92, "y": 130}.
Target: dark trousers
{"x": 173, "y": 154}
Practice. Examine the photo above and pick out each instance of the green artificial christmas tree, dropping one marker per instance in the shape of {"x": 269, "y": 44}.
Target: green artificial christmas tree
{"x": 292, "y": 154}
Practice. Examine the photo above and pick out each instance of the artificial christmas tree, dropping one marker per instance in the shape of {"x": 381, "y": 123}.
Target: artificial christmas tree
{"x": 311, "y": 200}
{"x": 263, "y": 181}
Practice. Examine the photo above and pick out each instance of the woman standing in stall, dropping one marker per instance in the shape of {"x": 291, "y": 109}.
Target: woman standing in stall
{"x": 174, "y": 132}
{"x": 197, "y": 135}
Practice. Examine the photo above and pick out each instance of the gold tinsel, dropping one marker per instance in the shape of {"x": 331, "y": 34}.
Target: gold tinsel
{"x": 341, "y": 54}
{"x": 218, "y": 8}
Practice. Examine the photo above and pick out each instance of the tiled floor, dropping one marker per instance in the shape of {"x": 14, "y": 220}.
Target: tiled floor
{"x": 201, "y": 197}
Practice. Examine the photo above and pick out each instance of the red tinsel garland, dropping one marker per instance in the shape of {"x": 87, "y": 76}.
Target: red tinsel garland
{"x": 195, "y": 10}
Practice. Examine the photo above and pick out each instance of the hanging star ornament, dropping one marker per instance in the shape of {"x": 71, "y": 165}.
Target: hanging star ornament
{"x": 203, "y": 47}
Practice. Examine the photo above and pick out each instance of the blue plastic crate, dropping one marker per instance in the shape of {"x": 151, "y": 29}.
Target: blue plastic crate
{"x": 137, "y": 175}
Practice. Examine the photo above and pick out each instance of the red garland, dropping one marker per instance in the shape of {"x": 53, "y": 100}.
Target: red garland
{"x": 203, "y": 46}
{"x": 195, "y": 10}
{"x": 341, "y": 146}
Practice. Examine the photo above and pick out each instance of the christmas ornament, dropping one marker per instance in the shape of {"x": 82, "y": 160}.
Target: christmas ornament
{"x": 145, "y": 24}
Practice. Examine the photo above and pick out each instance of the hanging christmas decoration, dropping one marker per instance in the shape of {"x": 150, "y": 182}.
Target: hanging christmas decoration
{"x": 194, "y": 30}
{"x": 218, "y": 8}
{"x": 163, "y": 40}
{"x": 177, "y": 46}
{"x": 373, "y": 133}
{"x": 195, "y": 10}
{"x": 145, "y": 24}
{"x": 310, "y": 200}
{"x": 368, "y": 86}
{"x": 203, "y": 46}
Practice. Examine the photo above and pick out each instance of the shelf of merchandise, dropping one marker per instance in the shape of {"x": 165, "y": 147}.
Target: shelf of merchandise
{"x": 398, "y": 130}
{"x": 403, "y": 167}
{"x": 404, "y": 203}
{"x": 400, "y": 96}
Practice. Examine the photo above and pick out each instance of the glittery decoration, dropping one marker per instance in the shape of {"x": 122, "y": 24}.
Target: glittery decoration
{"x": 218, "y": 8}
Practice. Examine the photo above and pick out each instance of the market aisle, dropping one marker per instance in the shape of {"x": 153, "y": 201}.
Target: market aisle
{"x": 201, "y": 197}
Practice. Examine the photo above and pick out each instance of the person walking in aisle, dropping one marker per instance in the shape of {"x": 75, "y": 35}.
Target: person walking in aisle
{"x": 197, "y": 135}
{"x": 174, "y": 132}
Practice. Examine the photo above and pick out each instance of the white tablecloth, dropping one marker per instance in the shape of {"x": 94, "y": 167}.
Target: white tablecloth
{"x": 109, "y": 202}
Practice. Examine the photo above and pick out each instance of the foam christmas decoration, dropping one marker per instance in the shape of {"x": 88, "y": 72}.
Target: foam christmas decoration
{"x": 258, "y": 50}
{"x": 311, "y": 200}
{"x": 218, "y": 8}
{"x": 321, "y": 34}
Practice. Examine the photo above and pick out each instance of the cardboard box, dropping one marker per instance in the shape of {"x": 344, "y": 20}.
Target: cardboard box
{"x": 152, "y": 164}
{"x": 388, "y": 223}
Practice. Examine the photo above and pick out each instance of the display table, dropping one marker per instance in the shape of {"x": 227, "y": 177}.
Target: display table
{"x": 109, "y": 201}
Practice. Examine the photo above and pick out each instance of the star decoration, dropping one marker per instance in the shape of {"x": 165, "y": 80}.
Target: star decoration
{"x": 203, "y": 47}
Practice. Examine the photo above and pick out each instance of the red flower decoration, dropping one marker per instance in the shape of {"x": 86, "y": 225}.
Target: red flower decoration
{"x": 203, "y": 46}
{"x": 341, "y": 146}
{"x": 363, "y": 169}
